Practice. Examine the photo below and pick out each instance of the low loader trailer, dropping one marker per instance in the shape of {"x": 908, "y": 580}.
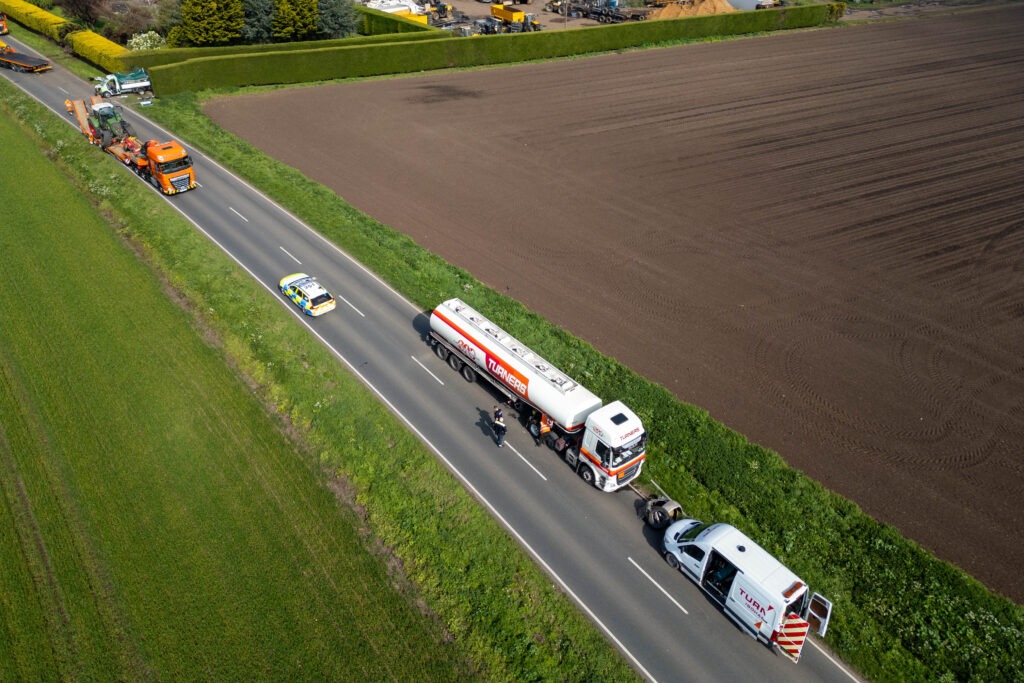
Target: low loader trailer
{"x": 606, "y": 445}
{"x": 17, "y": 61}
{"x": 165, "y": 165}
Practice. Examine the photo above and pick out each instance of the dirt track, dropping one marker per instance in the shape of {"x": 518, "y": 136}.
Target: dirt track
{"x": 817, "y": 236}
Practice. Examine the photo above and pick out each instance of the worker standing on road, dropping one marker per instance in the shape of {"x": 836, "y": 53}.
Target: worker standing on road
{"x": 499, "y": 428}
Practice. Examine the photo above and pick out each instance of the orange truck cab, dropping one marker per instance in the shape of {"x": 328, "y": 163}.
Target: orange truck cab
{"x": 169, "y": 168}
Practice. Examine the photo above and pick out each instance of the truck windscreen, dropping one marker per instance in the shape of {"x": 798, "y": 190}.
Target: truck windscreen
{"x": 176, "y": 165}
{"x": 633, "y": 449}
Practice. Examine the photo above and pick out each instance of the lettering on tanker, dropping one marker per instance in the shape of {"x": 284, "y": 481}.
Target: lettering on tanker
{"x": 466, "y": 348}
{"x": 509, "y": 377}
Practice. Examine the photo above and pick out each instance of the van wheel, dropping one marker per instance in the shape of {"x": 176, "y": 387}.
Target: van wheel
{"x": 454, "y": 363}
{"x": 468, "y": 374}
{"x": 441, "y": 351}
{"x": 587, "y": 475}
{"x": 672, "y": 561}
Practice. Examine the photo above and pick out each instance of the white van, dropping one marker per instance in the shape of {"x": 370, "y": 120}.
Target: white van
{"x": 763, "y": 597}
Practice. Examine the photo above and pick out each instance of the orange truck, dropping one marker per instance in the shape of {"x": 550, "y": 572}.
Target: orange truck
{"x": 165, "y": 165}
{"x": 3, "y": 24}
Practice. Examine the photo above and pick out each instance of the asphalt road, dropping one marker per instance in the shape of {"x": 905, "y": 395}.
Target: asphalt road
{"x": 592, "y": 544}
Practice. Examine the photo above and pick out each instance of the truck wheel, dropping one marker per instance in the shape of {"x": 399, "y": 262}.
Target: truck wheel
{"x": 468, "y": 374}
{"x": 534, "y": 429}
{"x": 441, "y": 351}
{"x": 454, "y": 363}
{"x": 672, "y": 561}
{"x": 587, "y": 475}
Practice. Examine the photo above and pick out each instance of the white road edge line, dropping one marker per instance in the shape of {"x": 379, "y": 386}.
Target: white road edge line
{"x": 832, "y": 659}
{"x": 657, "y": 585}
{"x": 290, "y": 254}
{"x": 521, "y": 457}
{"x": 238, "y": 214}
{"x": 438, "y": 379}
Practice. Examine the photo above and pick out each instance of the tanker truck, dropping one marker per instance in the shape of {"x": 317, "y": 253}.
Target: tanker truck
{"x": 605, "y": 445}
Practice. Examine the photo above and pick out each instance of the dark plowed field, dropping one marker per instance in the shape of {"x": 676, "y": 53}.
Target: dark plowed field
{"x": 817, "y": 236}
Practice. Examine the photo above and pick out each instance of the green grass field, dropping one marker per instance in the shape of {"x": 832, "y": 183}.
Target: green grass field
{"x": 155, "y": 524}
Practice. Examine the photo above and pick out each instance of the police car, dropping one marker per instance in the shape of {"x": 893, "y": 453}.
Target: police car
{"x": 307, "y": 294}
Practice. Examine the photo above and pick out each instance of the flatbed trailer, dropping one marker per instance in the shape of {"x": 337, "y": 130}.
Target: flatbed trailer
{"x": 16, "y": 61}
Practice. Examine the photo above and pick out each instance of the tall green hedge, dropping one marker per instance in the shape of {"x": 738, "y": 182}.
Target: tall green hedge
{"x": 97, "y": 50}
{"x": 151, "y": 58}
{"x": 374, "y": 22}
{"x": 32, "y": 17}
{"x": 90, "y": 46}
{"x": 345, "y": 61}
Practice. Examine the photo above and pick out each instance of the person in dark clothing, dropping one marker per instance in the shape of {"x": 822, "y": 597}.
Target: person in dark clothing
{"x": 499, "y": 429}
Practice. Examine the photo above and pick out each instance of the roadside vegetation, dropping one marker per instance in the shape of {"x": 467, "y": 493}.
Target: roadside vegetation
{"x": 158, "y": 524}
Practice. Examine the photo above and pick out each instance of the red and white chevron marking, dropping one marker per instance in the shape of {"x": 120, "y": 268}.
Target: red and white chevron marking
{"x": 792, "y": 636}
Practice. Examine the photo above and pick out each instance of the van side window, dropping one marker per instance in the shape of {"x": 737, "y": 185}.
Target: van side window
{"x": 694, "y": 552}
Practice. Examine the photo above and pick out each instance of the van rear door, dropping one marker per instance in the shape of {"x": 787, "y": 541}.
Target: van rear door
{"x": 817, "y": 614}
{"x": 795, "y": 627}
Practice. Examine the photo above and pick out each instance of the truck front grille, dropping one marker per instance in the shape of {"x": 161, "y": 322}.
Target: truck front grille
{"x": 626, "y": 475}
{"x": 181, "y": 183}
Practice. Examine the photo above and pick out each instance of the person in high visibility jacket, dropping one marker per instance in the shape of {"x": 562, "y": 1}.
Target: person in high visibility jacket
{"x": 545, "y": 425}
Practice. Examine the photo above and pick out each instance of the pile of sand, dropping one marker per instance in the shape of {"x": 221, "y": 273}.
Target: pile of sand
{"x": 691, "y": 8}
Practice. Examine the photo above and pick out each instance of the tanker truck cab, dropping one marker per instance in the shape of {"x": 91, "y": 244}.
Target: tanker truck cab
{"x": 613, "y": 447}
{"x": 763, "y": 597}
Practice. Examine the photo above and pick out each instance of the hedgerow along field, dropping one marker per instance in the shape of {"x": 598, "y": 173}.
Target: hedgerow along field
{"x": 262, "y": 525}
{"x": 156, "y": 524}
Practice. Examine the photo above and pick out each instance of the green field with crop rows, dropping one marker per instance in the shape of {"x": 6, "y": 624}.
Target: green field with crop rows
{"x": 155, "y": 524}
